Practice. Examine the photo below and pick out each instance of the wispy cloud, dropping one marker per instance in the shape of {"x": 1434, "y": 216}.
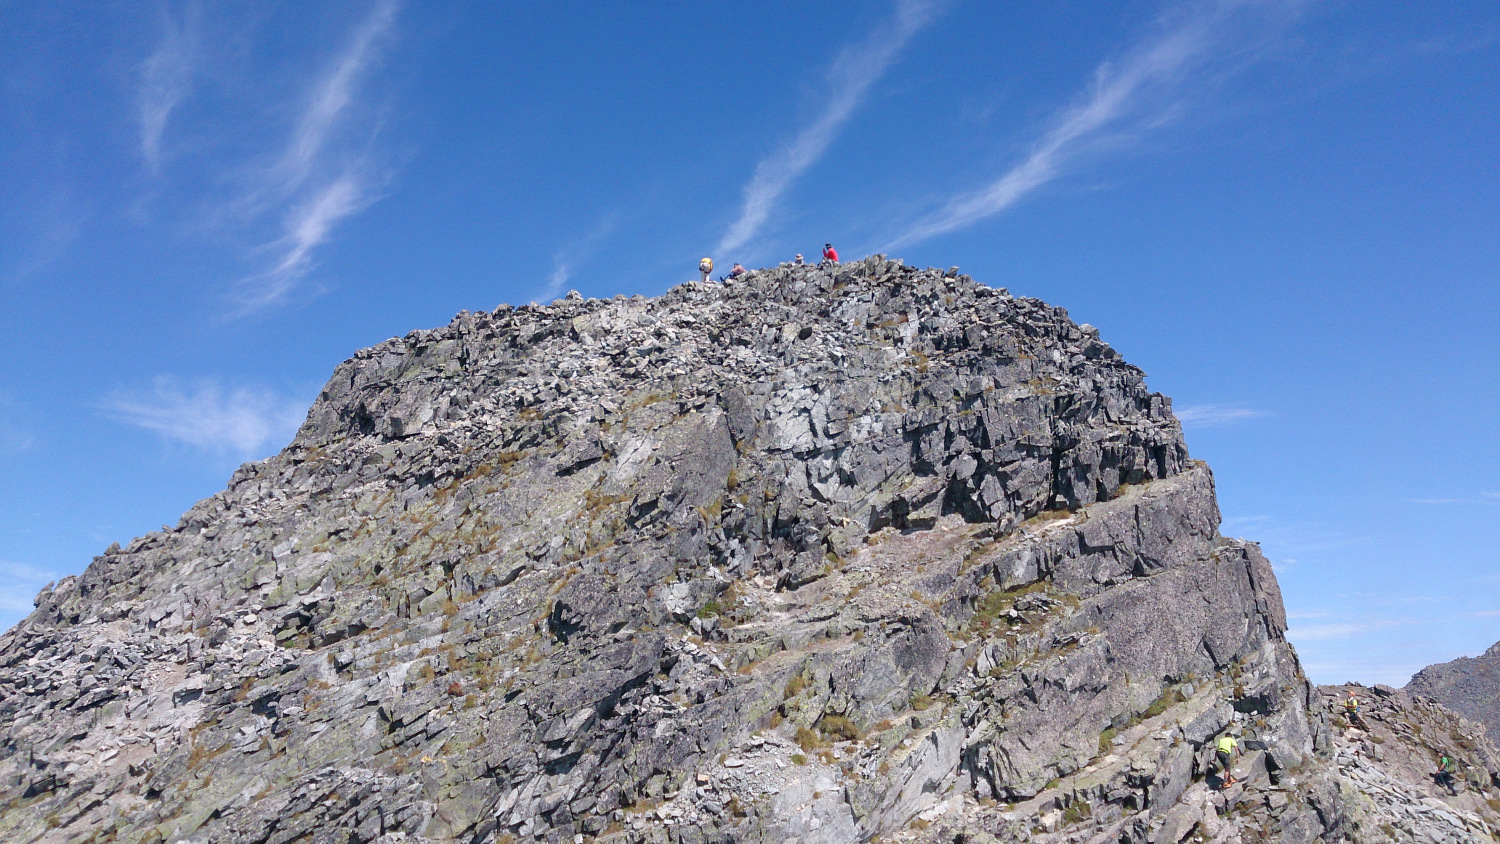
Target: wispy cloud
{"x": 567, "y": 259}
{"x": 1216, "y": 415}
{"x": 1149, "y": 73}
{"x": 1285, "y": 542}
{"x": 1339, "y": 629}
{"x": 42, "y": 236}
{"x": 1316, "y": 632}
{"x": 561, "y": 272}
{"x": 1484, "y": 498}
{"x": 19, "y": 584}
{"x": 307, "y": 226}
{"x": 14, "y": 438}
{"x": 337, "y": 173}
{"x": 166, "y": 79}
{"x": 854, "y": 70}
{"x": 243, "y": 420}
{"x": 331, "y": 97}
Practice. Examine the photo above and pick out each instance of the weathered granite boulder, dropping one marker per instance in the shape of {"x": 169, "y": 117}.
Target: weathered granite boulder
{"x": 822, "y": 555}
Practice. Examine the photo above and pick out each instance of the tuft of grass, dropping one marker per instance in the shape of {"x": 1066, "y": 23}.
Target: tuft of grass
{"x": 794, "y": 687}
{"x": 1169, "y": 698}
{"x": 1106, "y": 739}
{"x": 838, "y": 727}
{"x": 1077, "y": 811}
{"x": 808, "y": 740}
{"x": 921, "y": 702}
{"x": 1049, "y": 516}
{"x": 799, "y": 759}
{"x": 992, "y": 605}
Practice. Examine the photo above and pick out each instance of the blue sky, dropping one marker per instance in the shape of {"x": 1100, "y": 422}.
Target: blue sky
{"x": 1287, "y": 213}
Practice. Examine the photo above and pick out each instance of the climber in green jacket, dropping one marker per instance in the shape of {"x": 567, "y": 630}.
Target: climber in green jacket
{"x": 1444, "y": 774}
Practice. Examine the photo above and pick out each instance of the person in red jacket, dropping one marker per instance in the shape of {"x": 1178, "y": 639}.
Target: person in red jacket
{"x": 830, "y": 254}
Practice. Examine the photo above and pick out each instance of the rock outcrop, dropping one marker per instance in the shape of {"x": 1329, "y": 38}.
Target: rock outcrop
{"x": 1469, "y": 686}
{"x": 1386, "y": 760}
{"x": 821, "y": 555}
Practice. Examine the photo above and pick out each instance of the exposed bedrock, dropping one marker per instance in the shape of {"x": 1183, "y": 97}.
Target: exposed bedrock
{"x": 822, "y": 555}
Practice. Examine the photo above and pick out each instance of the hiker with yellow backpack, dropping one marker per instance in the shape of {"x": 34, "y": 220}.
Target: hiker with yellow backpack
{"x": 1224, "y": 750}
{"x": 1351, "y": 710}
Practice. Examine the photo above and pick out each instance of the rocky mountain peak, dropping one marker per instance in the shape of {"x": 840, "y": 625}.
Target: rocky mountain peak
{"x": 819, "y": 554}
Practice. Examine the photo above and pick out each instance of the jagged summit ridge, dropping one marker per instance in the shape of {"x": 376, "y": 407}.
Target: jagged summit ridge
{"x": 821, "y": 554}
{"x": 1469, "y": 686}
{"x": 831, "y": 353}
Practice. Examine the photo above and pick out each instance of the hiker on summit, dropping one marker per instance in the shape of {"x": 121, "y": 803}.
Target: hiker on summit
{"x": 798, "y": 262}
{"x": 1351, "y": 709}
{"x": 1224, "y": 750}
{"x": 830, "y": 255}
{"x": 735, "y": 272}
{"x": 705, "y": 269}
{"x": 1444, "y": 774}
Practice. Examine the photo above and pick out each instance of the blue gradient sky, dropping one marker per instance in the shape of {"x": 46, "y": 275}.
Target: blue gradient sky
{"x": 1287, "y": 213}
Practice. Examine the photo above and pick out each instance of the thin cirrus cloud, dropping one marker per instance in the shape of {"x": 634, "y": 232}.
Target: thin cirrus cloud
{"x": 19, "y": 584}
{"x": 243, "y": 421}
{"x": 1484, "y": 498}
{"x": 14, "y": 439}
{"x": 312, "y": 156}
{"x": 856, "y": 68}
{"x": 166, "y": 79}
{"x": 561, "y": 272}
{"x": 564, "y": 261}
{"x": 1339, "y": 629}
{"x": 318, "y": 174}
{"x": 1216, "y": 415}
{"x": 307, "y": 226}
{"x": 334, "y": 94}
{"x": 1189, "y": 37}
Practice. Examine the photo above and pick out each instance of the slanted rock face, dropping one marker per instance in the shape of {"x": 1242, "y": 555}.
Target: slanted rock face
{"x": 1468, "y": 686}
{"x": 819, "y": 555}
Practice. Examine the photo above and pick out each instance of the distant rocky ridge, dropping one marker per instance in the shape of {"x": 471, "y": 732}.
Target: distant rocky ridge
{"x": 1468, "y": 686}
{"x": 820, "y": 555}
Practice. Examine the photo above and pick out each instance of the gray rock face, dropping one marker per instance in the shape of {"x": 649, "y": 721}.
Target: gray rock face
{"x": 1468, "y": 686}
{"x": 818, "y": 556}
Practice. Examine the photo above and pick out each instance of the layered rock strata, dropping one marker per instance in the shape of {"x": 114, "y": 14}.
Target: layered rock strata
{"x": 820, "y": 555}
